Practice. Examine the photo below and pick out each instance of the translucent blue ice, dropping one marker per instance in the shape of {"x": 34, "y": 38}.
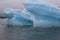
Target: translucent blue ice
{"x": 16, "y": 17}
{"x": 46, "y": 14}
{"x": 9, "y": 12}
{"x": 37, "y": 13}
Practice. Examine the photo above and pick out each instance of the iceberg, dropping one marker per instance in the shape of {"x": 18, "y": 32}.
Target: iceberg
{"x": 46, "y": 14}
{"x": 36, "y": 12}
{"x": 17, "y": 17}
{"x": 8, "y": 12}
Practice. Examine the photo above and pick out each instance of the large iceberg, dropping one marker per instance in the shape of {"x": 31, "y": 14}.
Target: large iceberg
{"x": 46, "y": 14}
{"x": 36, "y": 12}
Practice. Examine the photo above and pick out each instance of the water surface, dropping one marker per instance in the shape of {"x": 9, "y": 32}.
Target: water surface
{"x": 31, "y": 33}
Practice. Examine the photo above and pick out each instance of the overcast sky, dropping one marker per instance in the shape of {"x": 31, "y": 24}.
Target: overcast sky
{"x": 10, "y": 4}
{"x": 17, "y": 3}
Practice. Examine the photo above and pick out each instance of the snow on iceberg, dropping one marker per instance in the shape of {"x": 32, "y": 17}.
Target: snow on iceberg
{"x": 46, "y": 14}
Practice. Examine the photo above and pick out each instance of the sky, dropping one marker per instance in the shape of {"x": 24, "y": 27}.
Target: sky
{"x": 10, "y": 4}
{"x": 17, "y": 4}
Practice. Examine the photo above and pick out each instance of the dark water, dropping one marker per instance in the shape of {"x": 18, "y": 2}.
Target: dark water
{"x": 31, "y": 33}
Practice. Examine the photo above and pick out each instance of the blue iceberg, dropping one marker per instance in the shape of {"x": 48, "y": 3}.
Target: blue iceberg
{"x": 46, "y": 14}
{"x": 37, "y": 13}
{"x": 8, "y": 12}
{"x": 16, "y": 17}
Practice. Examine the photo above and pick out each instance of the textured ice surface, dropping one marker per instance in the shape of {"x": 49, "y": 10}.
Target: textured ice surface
{"x": 16, "y": 17}
{"x": 46, "y": 14}
{"x": 8, "y": 12}
{"x": 37, "y": 13}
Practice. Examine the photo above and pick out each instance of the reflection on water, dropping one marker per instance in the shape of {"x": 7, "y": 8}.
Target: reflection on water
{"x": 31, "y": 33}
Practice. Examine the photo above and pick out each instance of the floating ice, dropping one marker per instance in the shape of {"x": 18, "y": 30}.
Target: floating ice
{"x": 46, "y": 14}
{"x": 17, "y": 17}
{"x": 37, "y": 13}
{"x": 8, "y": 12}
